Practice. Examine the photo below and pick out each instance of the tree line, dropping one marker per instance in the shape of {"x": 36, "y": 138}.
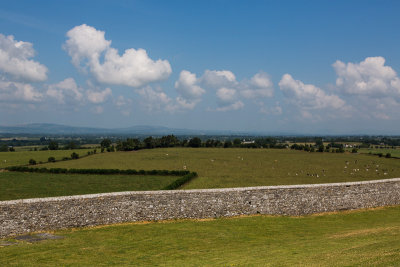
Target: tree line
{"x": 150, "y": 142}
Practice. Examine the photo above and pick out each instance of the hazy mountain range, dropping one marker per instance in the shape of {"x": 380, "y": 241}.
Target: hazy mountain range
{"x": 56, "y": 129}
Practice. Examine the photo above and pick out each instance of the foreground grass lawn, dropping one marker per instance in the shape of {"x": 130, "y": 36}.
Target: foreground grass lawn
{"x": 218, "y": 167}
{"x": 16, "y": 185}
{"x": 369, "y": 237}
{"x": 22, "y": 157}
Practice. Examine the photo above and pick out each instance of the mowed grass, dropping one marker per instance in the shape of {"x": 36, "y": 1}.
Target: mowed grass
{"x": 369, "y": 237}
{"x": 219, "y": 168}
{"x": 18, "y": 158}
{"x": 16, "y": 185}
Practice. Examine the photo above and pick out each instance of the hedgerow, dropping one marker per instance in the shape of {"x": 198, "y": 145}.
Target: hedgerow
{"x": 179, "y": 182}
{"x": 99, "y": 171}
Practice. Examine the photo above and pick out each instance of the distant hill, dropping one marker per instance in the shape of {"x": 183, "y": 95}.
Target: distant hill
{"x": 47, "y": 128}
{"x": 57, "y": 129}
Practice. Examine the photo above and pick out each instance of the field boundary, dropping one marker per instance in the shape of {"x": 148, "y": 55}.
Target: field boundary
{"x": 30, "y": 215}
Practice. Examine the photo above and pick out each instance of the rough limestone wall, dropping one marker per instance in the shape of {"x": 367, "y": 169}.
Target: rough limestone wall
{"x": 28, "y": 215}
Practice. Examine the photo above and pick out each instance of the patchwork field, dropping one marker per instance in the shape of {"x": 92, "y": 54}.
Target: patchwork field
{"x": 363, "y": 238}
{"x": 16, "y": 185}
{"x": 22, "y": 157}
{"x": 369, "y": 237}
{"x": 237, "y": 167}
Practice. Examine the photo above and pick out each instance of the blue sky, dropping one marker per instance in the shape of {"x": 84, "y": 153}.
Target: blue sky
{"x": 313, "y": 67}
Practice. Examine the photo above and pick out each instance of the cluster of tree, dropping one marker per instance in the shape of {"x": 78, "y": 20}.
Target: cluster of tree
{"x": 6, "y": 148}
{"x": 54, "y": 142}
{"x": 172, "y": 141}
{"x": 382, "y": 141}
{"x": 147, "y": 143}
{"x": 53, "y": 145}
{"x": 319, "y": 147}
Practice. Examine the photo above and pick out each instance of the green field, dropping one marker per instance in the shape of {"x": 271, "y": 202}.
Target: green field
{"x": 237, "y": 167}
{"x": 22, "y": 157}
{"x": 384, "y": 151}
{"x": 362, "y": 238}
{"x": 16, "y": 185}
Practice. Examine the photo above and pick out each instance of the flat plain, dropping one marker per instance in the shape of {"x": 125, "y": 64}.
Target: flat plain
{"x": 239, "y": 167}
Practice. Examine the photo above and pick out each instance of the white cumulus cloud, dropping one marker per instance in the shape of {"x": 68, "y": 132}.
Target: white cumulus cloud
{"x": 87, "y": 45}
{"x": 19, "y": 92}
{"x": 229, "y": 91}
{"x": 98, "y": 97}
{"x": 226, "y": 95}
{"x": 66, "y": 89}
{"x": 259, "y": 86}
{"x": 369, "y": 77}
{"x": 188, "y": 85}
{"x": 155, "y": 99}
{"x": 218, "y": 78}
{"x": 228, "y": 99}
{"x": 234, "y": 106}
{"x": 307, "y": 95}
{"x": 15, "y": 60}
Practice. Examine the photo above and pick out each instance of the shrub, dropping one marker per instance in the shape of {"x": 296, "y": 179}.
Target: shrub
{"x": 51, "y": 159}
{"x": 354, "y": 150}
{"x": 74, "y": 156}
{"x": 65, "y": 158}
{"x": 388, "y": 155}
{"x": 321, "y": 148}
{"x": 32, "y": 162}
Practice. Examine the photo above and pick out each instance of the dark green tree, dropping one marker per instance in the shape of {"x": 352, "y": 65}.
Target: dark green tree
{"x": 227, "y": 144}
{"x": 74, "y": 156}
{"x": 149, "y": 142}
{"x": 237, "y": 142}
{"x": 53, "y": 145}
{"x": 195, "y": 142}
{"x": 169, "y": 141}
{"x": 3, "y": 148}
{"x": 321, "y": 148}
{"x": 105, "y": 143}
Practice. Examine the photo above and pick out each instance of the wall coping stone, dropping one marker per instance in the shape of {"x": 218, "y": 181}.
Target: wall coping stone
{"x": 190, "y": 191}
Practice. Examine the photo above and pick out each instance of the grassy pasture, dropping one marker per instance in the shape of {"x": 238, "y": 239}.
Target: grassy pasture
{"x": 384, "y": 151}
{"x": 357, "y": 238}
{"x": 236, "y": 167}
{"x": 22, "y": 157}
{"x": 16, "y": 185}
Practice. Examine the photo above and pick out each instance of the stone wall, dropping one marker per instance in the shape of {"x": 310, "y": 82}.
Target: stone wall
{"x": 28, "y": 215}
